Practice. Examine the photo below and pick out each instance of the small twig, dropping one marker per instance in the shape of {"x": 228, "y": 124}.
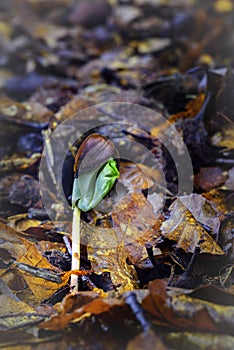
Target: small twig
{"x": 132, "y": 302}
{"x": 225, "y": 117}
{"x": 68, "y": 244}
{"x": 227, "y": 161}
{"x": 26, "y": 324}
{"x": 20, "y": 314}
{"x": 150, "y": 253}
{"x": 49, "y": 154}
{"x": 47, "y": 274}
{"x": 172, "y": 275}
{"x": 190, "y": 267}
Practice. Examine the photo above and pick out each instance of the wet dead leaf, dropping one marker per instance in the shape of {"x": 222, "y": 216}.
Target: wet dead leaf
{"x": 157, "y": 304}
{"x": 214, "y": 295}
{"x": 8, "y": 234}
{"x": 41, "y": 277}
{"x": 192, "y": 108}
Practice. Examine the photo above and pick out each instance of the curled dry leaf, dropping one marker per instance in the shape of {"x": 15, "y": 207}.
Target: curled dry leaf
{"x": 21, "y": 222}
{"x": 134, "y": 221}
{"x": 187, "y": 307}
{"x": 11, "y": 244}
{"x": 109, "y": 248}
{"x": 183, "y": 228}
{"x": 203, "y": 211}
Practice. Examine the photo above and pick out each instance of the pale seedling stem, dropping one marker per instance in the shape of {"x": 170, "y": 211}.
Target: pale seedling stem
{"x": 75, "y": 265}
{"x": 90, "y": 186}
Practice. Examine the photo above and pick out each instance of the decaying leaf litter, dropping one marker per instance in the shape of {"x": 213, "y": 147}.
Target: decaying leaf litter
{"x": 167, "y": 283}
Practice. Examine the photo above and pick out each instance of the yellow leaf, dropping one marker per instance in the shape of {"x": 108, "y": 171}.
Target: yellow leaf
{"x": 41, "y": 288}
{"x": 223, "y": 6}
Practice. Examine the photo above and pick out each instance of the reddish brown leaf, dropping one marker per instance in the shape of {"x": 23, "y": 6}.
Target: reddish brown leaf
{"x": 77, "y": 311}
{"x": 209, "y": 178}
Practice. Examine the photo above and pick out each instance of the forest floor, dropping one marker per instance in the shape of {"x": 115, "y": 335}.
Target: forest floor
{"x": 157, "y": 79}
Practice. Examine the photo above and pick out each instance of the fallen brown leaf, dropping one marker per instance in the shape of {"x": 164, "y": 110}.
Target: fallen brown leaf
{"x": 146, "y": 341}
{"x": 178, "y": 310}
{"x": 9, "y": 308}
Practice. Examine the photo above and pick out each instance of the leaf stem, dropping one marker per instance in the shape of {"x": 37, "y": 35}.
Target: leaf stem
{"x": 75, "y": 247}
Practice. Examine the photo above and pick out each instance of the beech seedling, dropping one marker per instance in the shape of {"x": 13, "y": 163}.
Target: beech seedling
{"x": 95, "y": 173}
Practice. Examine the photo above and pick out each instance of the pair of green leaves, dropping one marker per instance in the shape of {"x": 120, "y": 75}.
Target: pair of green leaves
{"x": 95, "y": 172}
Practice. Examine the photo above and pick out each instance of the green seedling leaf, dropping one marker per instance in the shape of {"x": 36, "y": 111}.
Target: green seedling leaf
{"x": 95, "y": 172}
{"x": 91, "y": 187}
